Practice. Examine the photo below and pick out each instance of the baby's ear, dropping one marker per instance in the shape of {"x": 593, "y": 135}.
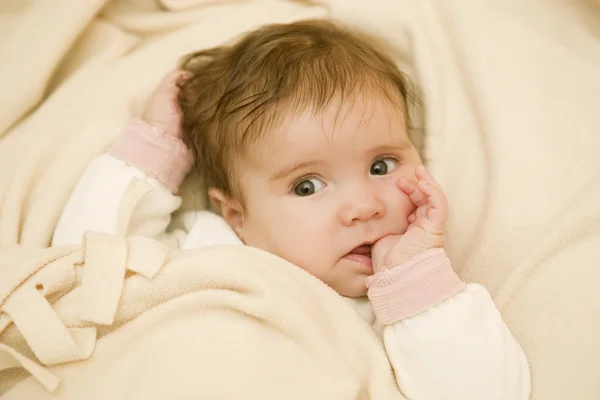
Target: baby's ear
{"x": 231, "y": 210}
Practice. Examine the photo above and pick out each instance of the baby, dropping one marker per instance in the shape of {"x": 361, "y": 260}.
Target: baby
{"x": 301, "y": 134}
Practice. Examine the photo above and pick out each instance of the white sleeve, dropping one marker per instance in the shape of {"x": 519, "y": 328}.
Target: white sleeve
{"x": 459, "y": 349}
{"x": 208, "y": 229}
{"x": 95, "y": 202}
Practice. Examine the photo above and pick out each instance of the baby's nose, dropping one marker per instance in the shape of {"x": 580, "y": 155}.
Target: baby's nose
{"x": 362, "y": 207}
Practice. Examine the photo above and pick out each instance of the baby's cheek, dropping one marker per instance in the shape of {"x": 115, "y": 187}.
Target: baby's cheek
{"x": 395, "y": 197}
{"x": 405, "y": 202}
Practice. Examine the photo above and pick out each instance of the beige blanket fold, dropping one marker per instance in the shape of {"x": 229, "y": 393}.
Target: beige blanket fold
{"x": 30, "y": 53}
{"x": 511, "y": 92}
{"x": 222, "y": 322}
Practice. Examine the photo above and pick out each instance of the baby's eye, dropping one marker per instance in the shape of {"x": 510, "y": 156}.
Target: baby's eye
{"x": 308, "y": 187}
{"x": 383, "y": 166}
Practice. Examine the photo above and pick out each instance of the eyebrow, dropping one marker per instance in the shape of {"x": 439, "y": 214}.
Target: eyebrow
{"x": 395, "y": 147}
{"x": 290, "y": 169}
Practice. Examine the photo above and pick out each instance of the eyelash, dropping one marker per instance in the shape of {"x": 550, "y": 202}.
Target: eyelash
{"x": 396, "y": 159}
{"x": 388, "y": 157}
{"x": 302, "y": 179}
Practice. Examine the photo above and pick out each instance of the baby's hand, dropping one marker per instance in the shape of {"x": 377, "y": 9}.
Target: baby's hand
{"x": 426, "y": 229}
{"x": 162, "y": 110}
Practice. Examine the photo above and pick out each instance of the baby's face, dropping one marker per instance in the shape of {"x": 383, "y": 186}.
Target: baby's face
{"x": 323, "y": 188}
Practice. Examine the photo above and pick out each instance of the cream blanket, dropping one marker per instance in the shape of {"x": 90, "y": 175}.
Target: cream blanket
{"x": 513, "y": 130}
{"x": 226, "y": 323}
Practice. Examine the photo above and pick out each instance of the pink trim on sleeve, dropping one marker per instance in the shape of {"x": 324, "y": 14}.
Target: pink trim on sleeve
{"x": 165, "y": 158}
{"x": 422, "y": 282}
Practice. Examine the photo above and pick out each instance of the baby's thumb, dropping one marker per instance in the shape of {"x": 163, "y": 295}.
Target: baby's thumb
{"x": 380, "y": 250}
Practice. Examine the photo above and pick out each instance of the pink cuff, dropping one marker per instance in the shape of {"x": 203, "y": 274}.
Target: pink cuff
{"x": 165, "y": 158}
{"x": 424, "y": 281}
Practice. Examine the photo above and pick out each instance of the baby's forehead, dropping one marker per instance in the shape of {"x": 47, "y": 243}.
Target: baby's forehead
{"x": 353, "y": 122}
{"x": 358, "y": 131}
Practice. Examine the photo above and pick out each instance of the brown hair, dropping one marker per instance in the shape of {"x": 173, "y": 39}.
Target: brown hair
{"x": 237, "y": 92}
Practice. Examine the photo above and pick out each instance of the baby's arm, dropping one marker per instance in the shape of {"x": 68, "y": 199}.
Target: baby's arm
{"x": 445, "y": 339}
{"x": 149, "y": 149}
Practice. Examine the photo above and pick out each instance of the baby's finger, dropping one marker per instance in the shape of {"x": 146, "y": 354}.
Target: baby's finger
{"x": 422, "y": 211}
{"x": 407, "y": 186}
{"x": 163, "y": 104}
{"x": 434, "y": 194}
{"x": 412, "y": 190}
{"x": 172, "y": 78}
{"x": 438, "y": 210}
{"x": 412, "y": 218}
{"x": 423, "y": 174}
{"x": 168, "y": 89}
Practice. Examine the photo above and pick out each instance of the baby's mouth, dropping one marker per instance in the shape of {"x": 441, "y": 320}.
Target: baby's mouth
{"x": 365, "y": 250}
{"x": 361, "y": 254}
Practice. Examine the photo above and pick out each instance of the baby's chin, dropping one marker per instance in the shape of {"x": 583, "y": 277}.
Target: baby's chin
{"x": 354, "y": 287}
{"x": 347, "y": 277}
